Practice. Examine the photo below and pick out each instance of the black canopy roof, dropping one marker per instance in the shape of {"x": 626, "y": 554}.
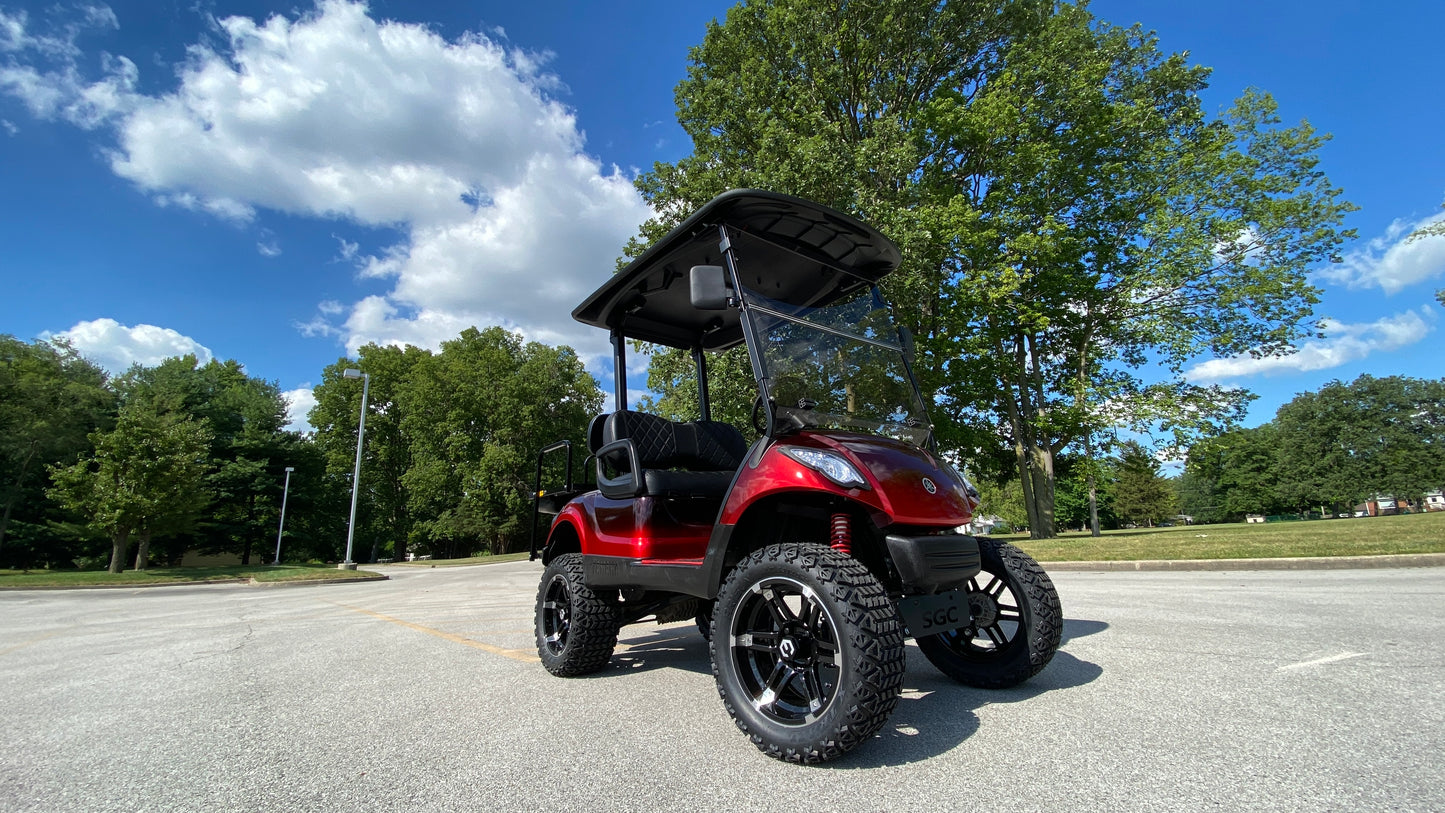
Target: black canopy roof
{"x": 787, "y": 247}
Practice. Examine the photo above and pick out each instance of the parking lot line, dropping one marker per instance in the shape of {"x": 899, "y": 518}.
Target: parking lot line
{"x": 1343, "y": 656}
{"x": 523, "y": 655}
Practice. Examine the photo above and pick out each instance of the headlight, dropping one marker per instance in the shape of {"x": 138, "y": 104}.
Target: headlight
{"x": 830, "y": 465}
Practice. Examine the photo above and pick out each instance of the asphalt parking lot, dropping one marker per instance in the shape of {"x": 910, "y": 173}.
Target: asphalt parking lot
{"x": 1253, "y": 690}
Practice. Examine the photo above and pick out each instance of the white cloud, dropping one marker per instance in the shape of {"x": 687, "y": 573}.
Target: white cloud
{"x": 298, "y": 403}
{"x": 1342, "y": 344}
{"x": 115, "y": 347}
{"x": 1392, "y": 261}
{"x": 458, "y": 144}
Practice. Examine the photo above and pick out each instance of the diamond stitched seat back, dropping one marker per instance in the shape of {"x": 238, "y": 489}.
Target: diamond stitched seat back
{"x": 654, "y": 438}
{"x": 662, "y": 444}
{"x": 717, "y": 446}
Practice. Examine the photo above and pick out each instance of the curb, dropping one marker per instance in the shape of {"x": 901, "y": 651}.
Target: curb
{"x": 131, "y": 586}
{"x": 249, "y": 582}
{"x": 380, "y": 577}
{"x": 1295, "y": 563}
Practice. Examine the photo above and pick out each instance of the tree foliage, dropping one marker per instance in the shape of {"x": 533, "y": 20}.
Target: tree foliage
{"x": 146, "y": 476}
{"x": 1075, "y": 228}
{"x": 51, "y": 399}
{"x": 249, "y": 447}
{"x": 1332, "y": 449}
{"x": 1141, "y": 494}
{"x": 452, "y": 437}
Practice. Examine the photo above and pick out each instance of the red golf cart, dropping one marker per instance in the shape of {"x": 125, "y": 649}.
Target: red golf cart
{"x": 809, "y": 554}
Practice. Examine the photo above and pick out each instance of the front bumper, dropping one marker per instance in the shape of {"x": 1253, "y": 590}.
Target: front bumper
{"x": 932, "y": 564}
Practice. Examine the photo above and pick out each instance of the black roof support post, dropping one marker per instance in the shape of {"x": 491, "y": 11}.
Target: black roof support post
{"x": 698, "y": 361}
{"x": 619, "y": 368}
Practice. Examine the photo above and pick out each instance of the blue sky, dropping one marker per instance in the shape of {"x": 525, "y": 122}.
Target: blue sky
{"x": 281, "y": 183}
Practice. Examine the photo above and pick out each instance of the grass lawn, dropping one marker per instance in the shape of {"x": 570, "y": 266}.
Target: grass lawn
{"x": 1361, "y": 536}
{"x": 177, "y": 575}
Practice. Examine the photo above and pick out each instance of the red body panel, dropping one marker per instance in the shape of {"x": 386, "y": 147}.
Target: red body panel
{"x": 641, "y": 528}
{"x": 677, "y": 531}
{"x": 894, "y": 469}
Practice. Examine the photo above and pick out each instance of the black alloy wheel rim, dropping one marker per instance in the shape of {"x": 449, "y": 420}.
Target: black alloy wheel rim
{"x": 556, "y": 614}
{"x": 785, "y": 650}
{"x": 998, "y": 622}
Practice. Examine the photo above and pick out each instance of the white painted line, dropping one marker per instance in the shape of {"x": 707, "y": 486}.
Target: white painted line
{"x": 1343, "y": 656}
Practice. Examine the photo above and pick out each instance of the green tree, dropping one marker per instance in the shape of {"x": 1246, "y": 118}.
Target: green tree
{"x": 672, "y": 376}
{"x": 1141, "y": 494}
{"x": 451, "y": 437}
{"x": 1198, "y": 497}
{"x": 474, "y": 447}
{"x": 1068, "y": 215}
{"x": 1371, "y": 437}
{"x": 384, "y": 514}
{"x": 145, "y": 476}
{"x": 247, "y": 418}
{"x": 51, "y": 399}
{"x": 1244, "y": 466}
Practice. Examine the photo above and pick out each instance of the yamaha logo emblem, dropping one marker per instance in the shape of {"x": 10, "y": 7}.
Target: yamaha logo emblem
{"x": 929, "y": 486}
{"x": 787, "y": 648}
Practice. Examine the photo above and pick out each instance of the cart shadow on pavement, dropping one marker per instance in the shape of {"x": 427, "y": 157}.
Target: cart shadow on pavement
{"x": 668, "y": 648}
{"x": 936, "y": 714}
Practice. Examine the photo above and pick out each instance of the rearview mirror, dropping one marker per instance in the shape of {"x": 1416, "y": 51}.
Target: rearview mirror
{"x": 709, "y": 287}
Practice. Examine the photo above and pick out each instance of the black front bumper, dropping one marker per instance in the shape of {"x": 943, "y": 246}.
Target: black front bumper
{"x": 931, "y": 564}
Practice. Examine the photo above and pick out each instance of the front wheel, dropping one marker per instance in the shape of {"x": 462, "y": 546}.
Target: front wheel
{"x": 576, "y": 628}
{"x": 1016, "y": 627}
{"x": 807, "y": 649}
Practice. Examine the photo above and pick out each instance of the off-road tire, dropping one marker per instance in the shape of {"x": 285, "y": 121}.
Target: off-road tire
{"x": 576, "y": 628}
{"x": 840, "y": 651}
{"x": 704, "y": 620}
{"x": 1020, "y": 623}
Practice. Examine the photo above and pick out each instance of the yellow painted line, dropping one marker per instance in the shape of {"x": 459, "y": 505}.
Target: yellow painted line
{"x": 524, "y": 655}
{"x": 35, "y": 640}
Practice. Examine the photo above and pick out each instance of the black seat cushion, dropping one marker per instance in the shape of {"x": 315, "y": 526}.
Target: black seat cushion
{"x": 665, "y": 483}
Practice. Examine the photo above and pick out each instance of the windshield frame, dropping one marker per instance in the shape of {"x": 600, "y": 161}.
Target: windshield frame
{"x": 918, "y": 431}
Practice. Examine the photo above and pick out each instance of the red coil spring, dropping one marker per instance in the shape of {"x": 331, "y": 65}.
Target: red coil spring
{"x": 841, "y": 534}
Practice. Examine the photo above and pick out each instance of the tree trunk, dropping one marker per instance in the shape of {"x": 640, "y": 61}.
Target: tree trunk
{"x": 1043, "y": 472}
{"x": 1093, "y": 487}
{"x": 143, "y": 552}
{"x": 1027, "y": 484}
{"x": 120, "y": 540}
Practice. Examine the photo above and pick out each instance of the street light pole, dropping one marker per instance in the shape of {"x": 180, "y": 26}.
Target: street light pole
{"x": 285, "y": 490}
{"x": 356, "y": 475}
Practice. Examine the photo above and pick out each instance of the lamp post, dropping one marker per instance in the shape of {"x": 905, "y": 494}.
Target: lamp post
{"x": 356, "y": 475}
{"x": 285, "y": 490}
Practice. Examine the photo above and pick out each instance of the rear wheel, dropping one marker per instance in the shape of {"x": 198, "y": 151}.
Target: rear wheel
{"x": 576, "y": 628}
{"x": 1016, "y": 627}
{"x": 807, "y": 650}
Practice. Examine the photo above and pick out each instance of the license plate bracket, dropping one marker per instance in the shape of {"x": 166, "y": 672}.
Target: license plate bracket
{"x": 932, "y": 614}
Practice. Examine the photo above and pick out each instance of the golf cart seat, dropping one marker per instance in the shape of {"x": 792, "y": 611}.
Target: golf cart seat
{"x": 660, "y": 458}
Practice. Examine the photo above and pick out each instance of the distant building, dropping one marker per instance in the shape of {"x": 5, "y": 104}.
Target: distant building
{"x": 1254, "y": 517}
{"x": 1435, "y": 501}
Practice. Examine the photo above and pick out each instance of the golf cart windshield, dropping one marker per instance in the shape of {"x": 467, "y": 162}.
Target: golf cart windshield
{"x": 839, "y": 366}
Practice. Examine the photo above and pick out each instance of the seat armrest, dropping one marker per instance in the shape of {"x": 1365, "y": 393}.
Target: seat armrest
{"x": 629, "y": 484}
